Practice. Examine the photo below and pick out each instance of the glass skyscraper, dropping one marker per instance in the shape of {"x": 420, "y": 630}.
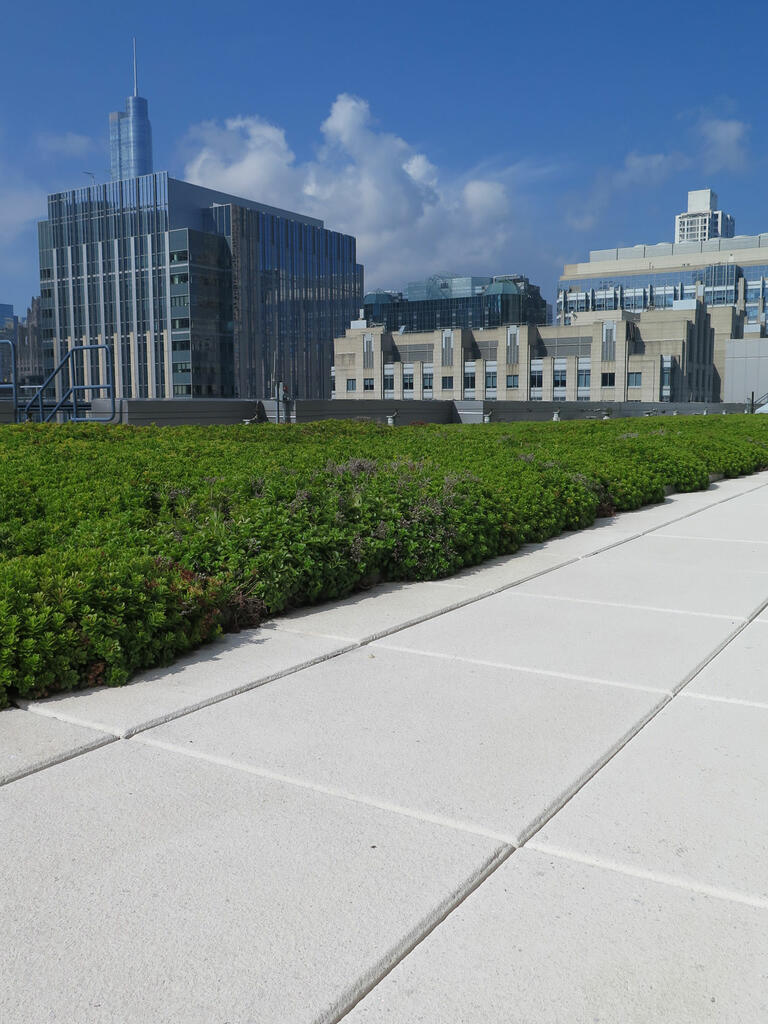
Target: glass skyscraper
{"x": 130, "y": 136}
{"x": 197, "y": 293}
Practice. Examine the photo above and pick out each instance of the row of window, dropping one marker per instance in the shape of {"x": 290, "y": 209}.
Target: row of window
{"x": 607, "y": 380}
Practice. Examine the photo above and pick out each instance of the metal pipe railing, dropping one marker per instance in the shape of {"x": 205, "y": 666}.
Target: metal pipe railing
{"x": 70, "y": 395}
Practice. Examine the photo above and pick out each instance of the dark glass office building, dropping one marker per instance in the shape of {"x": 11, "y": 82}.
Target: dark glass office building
{"x": 485, "y": 302}
{"x": 196, "y": 293}
{"x": 9, "y": 331}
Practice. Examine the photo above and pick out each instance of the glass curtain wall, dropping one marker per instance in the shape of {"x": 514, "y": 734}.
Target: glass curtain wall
{"x": 103, "y": 269}
{"x": 637, "y": 292}
{"x": 296, "y": 286}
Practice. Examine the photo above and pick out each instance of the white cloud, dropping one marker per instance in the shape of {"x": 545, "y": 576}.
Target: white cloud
{"x": 69, "y": 144}
{"x": 584, "y": 221}
{"x": 724, "y": 144}
{"x": 20, "y": 205}
{"x": 638, "y": 170}
{"x": 244, "y": 155}
{"x": 647, "y": 169}
{"x": 485, "y": 200}
{"x": 718, "y": 144}
{"x": 410, "y": 219}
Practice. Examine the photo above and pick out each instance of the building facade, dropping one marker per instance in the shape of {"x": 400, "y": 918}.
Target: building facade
{"x": 728, "y": 274}
{"x": 468, "y": 302}
{"x": 703, "y": 220}
{"x": 9, "y": 331}
{"x": 658, "y": 356}
{"x": 30, "y": 360}
{"x": 196, "y": 293}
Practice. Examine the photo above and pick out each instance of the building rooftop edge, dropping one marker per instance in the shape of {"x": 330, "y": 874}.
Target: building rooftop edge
{"x": 216, "y": 197}
{"x": 748, "y": 249}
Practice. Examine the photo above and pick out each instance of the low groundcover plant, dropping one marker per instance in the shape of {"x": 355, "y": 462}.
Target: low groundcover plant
{"x": 123, "y": 547}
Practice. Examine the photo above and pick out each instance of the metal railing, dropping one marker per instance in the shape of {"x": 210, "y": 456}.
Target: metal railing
{"x": 71, "y": 402}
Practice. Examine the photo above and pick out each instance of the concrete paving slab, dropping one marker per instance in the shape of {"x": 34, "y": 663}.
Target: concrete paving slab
{"x": 740, "y": 519}
{"x": 546, "y": 941}
{"x": 29, "y": 743}
{"x": 687, "y": 503}
{"x": 730, "y": 486}
{"x": 684, "y": 800}
{"x": 679, "y": 574}
{"x": 739, "y": 672}
{"x": 603, "y": 642}
{"x": 488, "y": 749}
{"x": 489, "y": 577}
{"x": 147, "y": 886}
{"x": 229, "y": 665}
{"x": 374, "y": 612}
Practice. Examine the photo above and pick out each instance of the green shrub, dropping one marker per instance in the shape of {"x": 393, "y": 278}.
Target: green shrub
{"x": 121, "y": 548}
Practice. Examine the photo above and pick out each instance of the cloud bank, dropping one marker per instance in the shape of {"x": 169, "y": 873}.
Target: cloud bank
{"x": 410, "y": 219}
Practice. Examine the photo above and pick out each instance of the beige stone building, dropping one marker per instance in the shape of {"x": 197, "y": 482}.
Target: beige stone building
{"x": 611, "y": 356}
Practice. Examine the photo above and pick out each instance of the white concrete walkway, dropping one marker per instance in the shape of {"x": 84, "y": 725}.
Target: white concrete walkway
{"x": 536, "y": 792}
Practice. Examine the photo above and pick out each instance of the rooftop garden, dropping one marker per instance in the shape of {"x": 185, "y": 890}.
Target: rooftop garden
{"x": 123, "y": 547}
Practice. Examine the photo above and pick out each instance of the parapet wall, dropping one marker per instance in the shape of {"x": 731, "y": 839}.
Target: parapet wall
{"x": 177, "y": 412}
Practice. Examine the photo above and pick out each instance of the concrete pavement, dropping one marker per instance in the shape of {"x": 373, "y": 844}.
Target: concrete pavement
{"x": 534, "y": 792}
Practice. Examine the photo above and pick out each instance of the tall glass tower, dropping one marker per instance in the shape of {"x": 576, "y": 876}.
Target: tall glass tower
{"x": 130, "y": 135}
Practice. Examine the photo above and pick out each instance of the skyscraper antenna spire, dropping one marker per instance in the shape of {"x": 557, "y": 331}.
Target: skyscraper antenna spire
{"x": 135, "y": 76}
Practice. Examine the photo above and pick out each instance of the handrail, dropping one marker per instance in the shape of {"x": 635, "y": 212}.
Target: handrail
{"x": 70, "y": 395}
{"x": 13, "y": 384}
{"x": 759, "y": 402}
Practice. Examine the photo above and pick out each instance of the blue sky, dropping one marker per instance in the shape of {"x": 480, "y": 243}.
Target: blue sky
{"x": 447, "y": 137}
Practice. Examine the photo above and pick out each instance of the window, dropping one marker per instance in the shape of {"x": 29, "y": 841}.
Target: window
{"x": 447, "y": 348}
{"x": 513, "y": 345}
{"x": 513, "y": 380}
{"x": 608, "y": 380}
{"x": 666, "y": 376}
{"x": 427, "y": 379}
{"x": 490, "y": 380}
{"x": 389, "y": 382}
{"x": 367, "y": 351}
{"x": 351, "y": 384}
{"x": 634, "y": 380}
{"x": 182, "y": 256}
{"x": 184, "y": 367}
{"x": 179, "y": 278}
{"x": 584, "y": 379}
{"x": 333, "y": 384}
{"x": 408, "y": 381}
{"x": 447, "y": 384}
{"x": 558, "y": 378}
{"x": 609, "y": 342}
{"x": 182, "y": 389}
{"x": 181, "y": 324}
{"x": 367, "y": 383}
{"x": 537, "y": 378}
{"x": 469, "y": 379}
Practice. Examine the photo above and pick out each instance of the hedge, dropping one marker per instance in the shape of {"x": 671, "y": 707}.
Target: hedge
{"x": 123, "y": 547}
